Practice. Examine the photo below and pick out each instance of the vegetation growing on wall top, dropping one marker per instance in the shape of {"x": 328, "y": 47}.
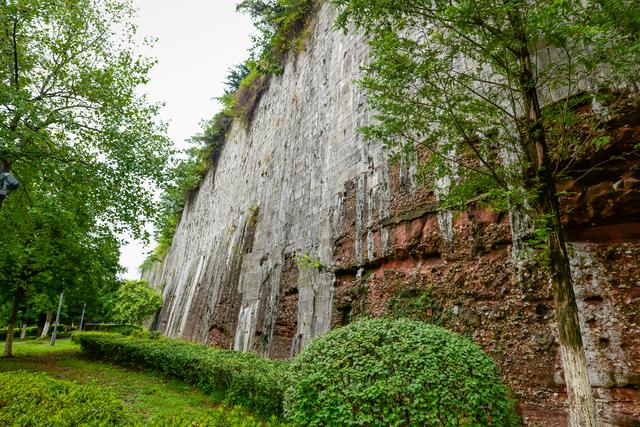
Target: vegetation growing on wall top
{"x": 282, "y": 27}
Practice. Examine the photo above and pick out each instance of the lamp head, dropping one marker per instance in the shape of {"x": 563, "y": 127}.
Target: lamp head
{"x": 8, "y": 183}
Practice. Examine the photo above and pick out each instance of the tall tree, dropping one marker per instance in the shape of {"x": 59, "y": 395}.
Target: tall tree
{"x": 69, "y": 94}
{"x": 50, "y": 245}
{"x": 86, "y": 145}
{"x": 135, "y": 301}
{"x": 486, "y": 90}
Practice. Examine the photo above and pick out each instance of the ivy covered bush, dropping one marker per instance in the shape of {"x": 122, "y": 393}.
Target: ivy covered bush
{"x": 396, "y": 372}
{"x": 240, "y": 378}
{"x": 35, "y": 399}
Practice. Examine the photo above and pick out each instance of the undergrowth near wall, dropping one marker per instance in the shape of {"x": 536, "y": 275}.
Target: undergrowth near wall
{"x": 117, "y": 396}
{"x": 283, "y": 26}
{"x": 35, "y": 399}
{"x": 239, "y": 378}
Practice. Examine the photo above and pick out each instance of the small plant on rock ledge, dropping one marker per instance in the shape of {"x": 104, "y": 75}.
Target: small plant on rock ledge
{"x": 308, "y": 261}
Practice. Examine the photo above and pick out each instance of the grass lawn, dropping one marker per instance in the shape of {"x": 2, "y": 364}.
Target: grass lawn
{"x": 146, "y": 395}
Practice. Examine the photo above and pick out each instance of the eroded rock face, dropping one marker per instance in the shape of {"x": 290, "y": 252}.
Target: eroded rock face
{"x": 469, "y": 285}
{"x": 302, "y": 182}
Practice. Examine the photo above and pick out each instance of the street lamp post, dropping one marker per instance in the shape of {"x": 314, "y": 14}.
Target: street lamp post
{"x": 55, "y": 327}
{"x": 82, "y": 317}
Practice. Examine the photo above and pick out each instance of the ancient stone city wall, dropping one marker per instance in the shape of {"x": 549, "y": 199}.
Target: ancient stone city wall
{"x": 301, "y": 182}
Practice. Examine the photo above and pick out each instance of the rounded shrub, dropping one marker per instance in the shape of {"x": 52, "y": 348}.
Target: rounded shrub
{"x": 396, "y": 372}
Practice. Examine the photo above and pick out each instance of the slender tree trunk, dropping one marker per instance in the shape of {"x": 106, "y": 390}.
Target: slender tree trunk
{"x": 23, "y": 334}
{"x": 47, "y": 324}
{"x": 82, "y": 317}
{"x": 55, "y": 327}
{"x": 581, "y": 403}
{"x": 8, "y": 347}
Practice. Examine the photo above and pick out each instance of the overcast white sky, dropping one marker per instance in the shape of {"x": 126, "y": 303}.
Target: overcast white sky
{"x": 198, "y": 40}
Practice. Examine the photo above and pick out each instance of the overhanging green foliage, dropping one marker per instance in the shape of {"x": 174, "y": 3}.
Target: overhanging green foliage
{"x": 451, "y": 83}
{"x": 482, "y": 96}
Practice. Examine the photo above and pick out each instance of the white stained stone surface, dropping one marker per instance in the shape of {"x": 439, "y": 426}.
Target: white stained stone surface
{"x": 291, "y": 164}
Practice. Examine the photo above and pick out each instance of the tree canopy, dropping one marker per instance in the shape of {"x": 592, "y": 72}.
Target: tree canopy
{"x": 85, "y": 143}
{"x": 135, "y": 301}
{"x": 70, "y": 105}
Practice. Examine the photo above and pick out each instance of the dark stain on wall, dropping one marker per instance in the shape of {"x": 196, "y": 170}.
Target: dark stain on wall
{"x": 286, "y": 322}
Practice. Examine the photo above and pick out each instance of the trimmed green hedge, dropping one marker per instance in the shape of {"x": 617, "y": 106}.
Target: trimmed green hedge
{"x": 32, "y": 332}
{"x": 60, "y": 335}
{"x": 36, "y": 399}
{"x": 111, "y": 327}
{"x": 241, "y": 378}
{"x": 396, "y": 372}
